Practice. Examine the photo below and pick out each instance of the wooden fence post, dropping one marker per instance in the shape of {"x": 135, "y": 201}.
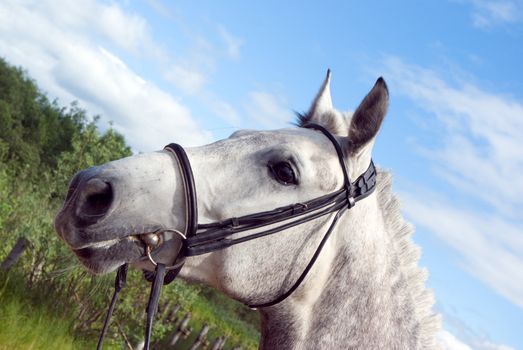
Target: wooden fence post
{"x": 15, "y": 253}
{"x": 222, "y": 343}
{"x": 216, "y": 343}
{"x": 183, "y": 329}
{"x": 169, "y": 317}
{"x": 219, "y": 343}
{"x": 140, "y": 345}
{"x": 201, "y": 339}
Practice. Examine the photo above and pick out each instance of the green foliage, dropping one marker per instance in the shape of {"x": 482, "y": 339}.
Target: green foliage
{"x": 41, "y": 146}
{"x": 33, "y": 323}
{"x": 33, "y": 130}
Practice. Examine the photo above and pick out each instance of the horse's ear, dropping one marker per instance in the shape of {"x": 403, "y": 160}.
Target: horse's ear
{"x": 321, "y": 110}
{"x": 369, "y": 115}
{"x": 323, "y": 101}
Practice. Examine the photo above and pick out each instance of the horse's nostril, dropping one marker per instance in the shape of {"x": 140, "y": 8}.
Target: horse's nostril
{"x": 94, "y": 201}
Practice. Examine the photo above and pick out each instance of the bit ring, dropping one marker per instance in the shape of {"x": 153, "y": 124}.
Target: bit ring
{"x": 175, "y": 265}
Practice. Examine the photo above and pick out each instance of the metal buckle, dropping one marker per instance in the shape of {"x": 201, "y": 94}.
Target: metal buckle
{"x": 299, "y": 208}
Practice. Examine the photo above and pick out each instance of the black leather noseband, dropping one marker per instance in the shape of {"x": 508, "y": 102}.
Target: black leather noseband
{"x": 189, "y": 188}
{"x": 210, "y": 237}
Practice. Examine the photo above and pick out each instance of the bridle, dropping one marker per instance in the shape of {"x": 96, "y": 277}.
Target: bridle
{"x": 205, "y": 238}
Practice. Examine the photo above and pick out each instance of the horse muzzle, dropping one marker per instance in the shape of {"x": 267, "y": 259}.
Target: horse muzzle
{"x": 101, "y": 227}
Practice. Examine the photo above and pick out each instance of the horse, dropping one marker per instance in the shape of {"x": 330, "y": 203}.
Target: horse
{"x": 332, "y": 267}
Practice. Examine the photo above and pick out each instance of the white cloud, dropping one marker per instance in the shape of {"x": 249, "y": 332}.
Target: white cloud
{"x": 233, "y": 44}
{"x": 486, "y": 345}
{"x": 480, "y": 154}
{"x": 491, "y": 249}
{"x": 450, "y": 342}
{"x": 481, "y": 147}
{"x": 148, "y": 116}
{"x": 128, "y": 30}
{"x": 488, "y": 13}
{"x": 58, "y": 43}
{"x": 460, "y": 335}
{"x": 190, "y": 81}
{"x": 222, "y": 109}
{"x": 267, "y": 110}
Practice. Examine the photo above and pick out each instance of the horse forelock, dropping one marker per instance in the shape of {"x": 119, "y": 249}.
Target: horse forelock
{"x": 333, "y": 120}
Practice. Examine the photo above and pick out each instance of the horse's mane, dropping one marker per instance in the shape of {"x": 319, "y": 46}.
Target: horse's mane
{"x": 401, "y": 236}
{"x": 401, "y": 233}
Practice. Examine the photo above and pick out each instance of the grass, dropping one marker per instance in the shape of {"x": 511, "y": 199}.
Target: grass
{"x": 31, "y": 321}
{"x": 34, "y": 329}
{"x": 33, "y": 326}
{"x": 224, "y": 316}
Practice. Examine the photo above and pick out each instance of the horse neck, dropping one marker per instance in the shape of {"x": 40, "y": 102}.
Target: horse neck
{"x": 374, "y": 297}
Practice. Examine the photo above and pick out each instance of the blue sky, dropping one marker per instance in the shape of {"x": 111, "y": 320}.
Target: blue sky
{"x": 194, "y": 72}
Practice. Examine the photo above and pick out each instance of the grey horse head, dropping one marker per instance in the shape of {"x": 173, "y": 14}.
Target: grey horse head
{"x": 365, "y": 290}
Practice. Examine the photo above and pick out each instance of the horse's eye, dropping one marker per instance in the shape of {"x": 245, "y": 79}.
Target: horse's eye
{"x": 283, "y": 172}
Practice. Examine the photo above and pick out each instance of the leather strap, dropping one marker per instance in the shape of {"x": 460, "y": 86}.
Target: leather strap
{"x": 119, "y": 283}
{"x": 152, "y": 304}
{"x": 189, "y": 188}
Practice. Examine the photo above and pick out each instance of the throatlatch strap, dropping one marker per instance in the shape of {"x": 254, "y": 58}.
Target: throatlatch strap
{"x": 305, "y": 272}
{"x": 119, "y": 283}
{"x": 152, "y": 305}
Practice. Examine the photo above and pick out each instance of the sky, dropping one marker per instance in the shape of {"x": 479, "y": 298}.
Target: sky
{"x": 194, "y": 72}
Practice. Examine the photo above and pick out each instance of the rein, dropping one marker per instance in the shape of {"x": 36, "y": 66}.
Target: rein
{"x": 205, "y": 238}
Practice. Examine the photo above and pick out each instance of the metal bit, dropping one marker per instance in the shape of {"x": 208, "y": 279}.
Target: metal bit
{"x": 150, "y": 239}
